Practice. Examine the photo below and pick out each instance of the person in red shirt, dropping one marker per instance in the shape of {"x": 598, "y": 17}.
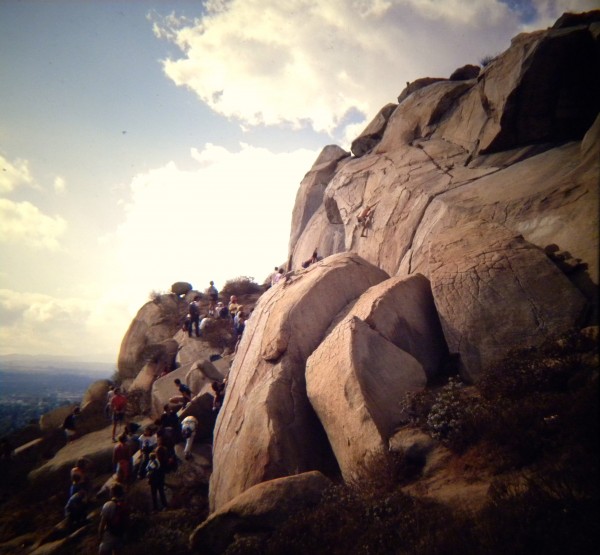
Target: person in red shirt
{"x": 118, "y": 404}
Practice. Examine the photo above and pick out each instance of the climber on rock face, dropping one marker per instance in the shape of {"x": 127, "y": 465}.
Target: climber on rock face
{"x": 365, "y": 218}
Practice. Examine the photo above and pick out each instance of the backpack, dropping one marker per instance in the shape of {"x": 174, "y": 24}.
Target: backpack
{"x": 120, "y": 519}
{"x": 194, "y": 310}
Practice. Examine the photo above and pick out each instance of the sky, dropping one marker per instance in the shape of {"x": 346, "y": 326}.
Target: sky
{"x": 145, "y": 142}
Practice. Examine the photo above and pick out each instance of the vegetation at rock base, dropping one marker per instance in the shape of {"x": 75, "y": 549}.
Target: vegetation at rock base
{"x": 242, "y": 285}
{"x": 533, "y": 418}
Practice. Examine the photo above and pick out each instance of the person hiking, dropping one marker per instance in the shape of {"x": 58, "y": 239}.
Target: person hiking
{"x": 219, "y": 395}
{"x": 148, "y": 441}
{"x": 80, "y": 474}
{"x": 118, "y": 405}
{"x": 194, "y": 314}
{"x": 122, "y": 460}
{"x": 188, "y": 430}
{"x": 156, "y": 480}
{"x": 114, "y": 521}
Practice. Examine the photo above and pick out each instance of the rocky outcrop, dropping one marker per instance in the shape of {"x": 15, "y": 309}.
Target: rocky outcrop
{"x": 476, "y": 267}
{"x": 513, "y": 149}
{"x": 266, "y": 417}
{"x": 373, "y": 132}
{"x": 156, "y": 322}
{"x": 310, "y": 194}
{"x": 354, "y": 381}
{"x": 262, "y": 507}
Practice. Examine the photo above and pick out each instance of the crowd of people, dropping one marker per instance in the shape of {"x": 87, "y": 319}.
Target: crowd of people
{"x": 198, "y": 323}
{"x": 138, "y": 454}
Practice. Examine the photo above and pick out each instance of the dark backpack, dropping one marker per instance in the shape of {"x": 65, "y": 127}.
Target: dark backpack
{"x": 194, "y": 310}
{"x": 120, "y": 519}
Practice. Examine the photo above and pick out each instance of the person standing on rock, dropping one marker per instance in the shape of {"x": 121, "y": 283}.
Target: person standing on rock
{"x": 185, "y": 395}
{"x": 156, "y": 479}
{"x": 213, "y": 297}
{"x": 118, "y": 405}
{"x": 194, "y": 314}
{"x": 122, "y": 460}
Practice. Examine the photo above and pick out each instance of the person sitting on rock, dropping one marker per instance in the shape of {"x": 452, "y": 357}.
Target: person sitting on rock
{"x": 185, "y": 394}
{"x": 69, "y": 425}
{"x": 314, "y": 258}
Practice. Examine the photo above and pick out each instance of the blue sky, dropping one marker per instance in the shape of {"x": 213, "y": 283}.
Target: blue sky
{"x": 148, "y": 142}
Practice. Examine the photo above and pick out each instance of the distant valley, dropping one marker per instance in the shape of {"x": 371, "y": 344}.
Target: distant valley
{"x": 31, "y": 386}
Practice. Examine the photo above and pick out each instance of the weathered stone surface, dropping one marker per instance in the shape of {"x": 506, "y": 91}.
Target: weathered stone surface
{"x": 310, "y": 193}
{"x": 475, "y": 268}
{"x": 95, "y": 393}
{"x": 355, "y": 380}
{"x": 417, "y": 85}
{"x": 261, "y": 507}
{"x": 545, "y": 87}
{"x": 402, "y": 310}
{"x": 267, "y": 428}
{"x": 154, "y": 323}
{"x": 373, "y": 132}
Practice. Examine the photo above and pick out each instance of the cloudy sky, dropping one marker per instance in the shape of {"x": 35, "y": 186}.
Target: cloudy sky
{"x": 145, "y": 142}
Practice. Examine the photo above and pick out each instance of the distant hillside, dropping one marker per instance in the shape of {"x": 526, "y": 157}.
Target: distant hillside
{"x": 55, "y": 364}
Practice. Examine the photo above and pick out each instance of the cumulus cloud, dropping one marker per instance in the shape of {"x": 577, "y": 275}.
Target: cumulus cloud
{"x": 24, "y": 224}
{"x": 228, "y": 216}
{"x": 305, "y": 62}
{"x": 35, "y": 323}
{"x": 14, "y": 174}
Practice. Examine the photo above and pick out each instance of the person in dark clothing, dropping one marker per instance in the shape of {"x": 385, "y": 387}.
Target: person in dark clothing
{"x": 69, "y": 425}
{"x": 156, "y": 479}
{"x": 194, "y": 316}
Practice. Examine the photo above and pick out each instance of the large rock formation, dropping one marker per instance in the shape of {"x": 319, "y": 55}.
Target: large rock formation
{"x": 512, "y": 152}
{"x": 267, "y": 427}
{"x": 483, "y": 199}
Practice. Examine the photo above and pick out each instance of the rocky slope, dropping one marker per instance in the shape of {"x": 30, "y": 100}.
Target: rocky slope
{"x": 481, "y": 236}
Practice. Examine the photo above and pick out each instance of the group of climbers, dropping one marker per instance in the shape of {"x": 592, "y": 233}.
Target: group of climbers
{"x": 197, "y": 323}
{"x": 148, "y": 455}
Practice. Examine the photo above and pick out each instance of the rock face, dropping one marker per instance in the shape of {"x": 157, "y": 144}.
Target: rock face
{"x": 156, "y": 322}
{"x": 482, "y": 192}
{"x": 512, "y": 152}
{"x": 266, "y": 417}
{"x": 262, "y": 507}
{"x": 387, "y": 345}
{"x": 476, "y": 267}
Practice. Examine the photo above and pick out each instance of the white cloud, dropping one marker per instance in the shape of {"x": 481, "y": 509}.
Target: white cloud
{"x": 24, "y": 224}
{"x": 305, "y": 62}
{"x": 299, "y": 61}
{"x": 228, "y": 217}
{"x": 35, "y": 323}
{"x": 60, "y": 185}
{"x": 14, "y": 174}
